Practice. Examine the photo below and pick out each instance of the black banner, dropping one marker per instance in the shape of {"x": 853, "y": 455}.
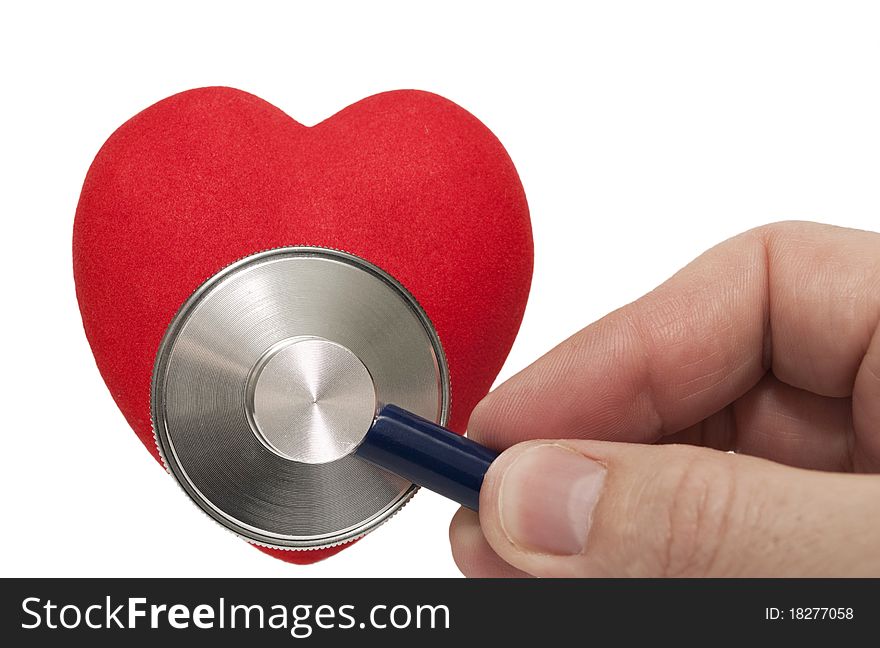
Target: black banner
{"x": 431, "y": 612}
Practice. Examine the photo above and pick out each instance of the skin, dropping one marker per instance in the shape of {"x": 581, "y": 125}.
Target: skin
{"x": 767, "y": 345}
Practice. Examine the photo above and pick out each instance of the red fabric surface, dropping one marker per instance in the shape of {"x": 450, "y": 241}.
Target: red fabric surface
{"x": 406, "y": 179}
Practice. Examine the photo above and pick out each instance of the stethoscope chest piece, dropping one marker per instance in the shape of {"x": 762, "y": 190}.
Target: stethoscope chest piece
{"x": 268, "y": 379}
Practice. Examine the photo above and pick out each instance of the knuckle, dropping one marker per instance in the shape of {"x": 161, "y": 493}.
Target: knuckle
{"x": 702, "y": 497}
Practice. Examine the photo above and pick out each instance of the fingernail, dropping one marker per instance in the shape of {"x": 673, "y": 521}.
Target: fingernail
{"x": 547, "y": 496}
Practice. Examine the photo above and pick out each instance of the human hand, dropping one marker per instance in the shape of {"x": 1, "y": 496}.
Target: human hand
{"x": 769, "y": 345}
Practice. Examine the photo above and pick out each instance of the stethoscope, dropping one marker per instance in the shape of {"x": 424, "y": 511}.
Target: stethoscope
{"x": 299, "y": 397}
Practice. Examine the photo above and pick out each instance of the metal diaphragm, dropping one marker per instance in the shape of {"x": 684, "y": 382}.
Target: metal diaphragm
{"x": 268, "y": 378}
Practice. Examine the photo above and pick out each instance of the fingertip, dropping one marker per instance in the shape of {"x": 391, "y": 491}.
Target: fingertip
{"x": 471, "y": 552}
{"x": 487, "y": 420}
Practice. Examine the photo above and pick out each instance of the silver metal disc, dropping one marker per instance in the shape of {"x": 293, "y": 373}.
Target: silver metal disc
{"x": 268, "y": 378}
{"x": 311, "y": 400}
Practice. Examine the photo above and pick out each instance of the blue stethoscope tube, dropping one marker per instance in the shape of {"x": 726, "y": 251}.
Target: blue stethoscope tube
{"x": 427, "y": 454}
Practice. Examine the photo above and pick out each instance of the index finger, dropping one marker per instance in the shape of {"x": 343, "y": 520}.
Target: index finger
{"x": 802, "y": 299}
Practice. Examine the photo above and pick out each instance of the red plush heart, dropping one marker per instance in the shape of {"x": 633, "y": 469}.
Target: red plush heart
{"x": 406, "y": 180}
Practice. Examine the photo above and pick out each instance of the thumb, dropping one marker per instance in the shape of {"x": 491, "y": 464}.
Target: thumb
{"x": 592, "y": 508}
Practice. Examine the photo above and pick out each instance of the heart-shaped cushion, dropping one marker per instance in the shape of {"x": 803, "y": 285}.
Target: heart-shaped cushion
{"x": 406, "y": 180}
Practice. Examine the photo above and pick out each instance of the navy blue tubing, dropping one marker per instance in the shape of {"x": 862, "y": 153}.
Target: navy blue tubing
{"x": 427, "y": 454}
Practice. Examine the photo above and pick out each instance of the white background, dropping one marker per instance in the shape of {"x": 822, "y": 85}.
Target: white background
{"x": 644, "y": 132}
